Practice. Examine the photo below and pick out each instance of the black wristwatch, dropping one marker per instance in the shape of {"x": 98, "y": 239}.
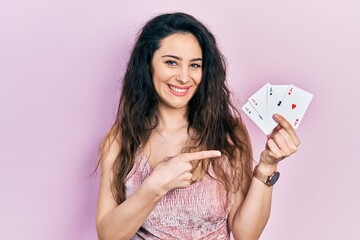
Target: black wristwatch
{"x": 269, "y": 180}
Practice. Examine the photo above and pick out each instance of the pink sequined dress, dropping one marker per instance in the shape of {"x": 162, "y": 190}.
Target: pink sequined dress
{"x": 197, "y": 212}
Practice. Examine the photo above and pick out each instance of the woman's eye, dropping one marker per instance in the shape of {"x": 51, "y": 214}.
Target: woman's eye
{"x": 195, "y": 65}
{"x": 171, "y": 63}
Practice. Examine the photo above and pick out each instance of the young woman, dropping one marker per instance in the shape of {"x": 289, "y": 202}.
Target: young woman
{"x": 177, "y": 162}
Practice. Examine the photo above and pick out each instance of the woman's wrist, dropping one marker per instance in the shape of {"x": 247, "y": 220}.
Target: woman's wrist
{"x": 153, "y": 189}
{"x": 267, "y": 168}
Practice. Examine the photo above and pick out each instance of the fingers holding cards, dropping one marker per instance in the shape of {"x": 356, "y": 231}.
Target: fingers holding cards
{"x": 284, "y": 125}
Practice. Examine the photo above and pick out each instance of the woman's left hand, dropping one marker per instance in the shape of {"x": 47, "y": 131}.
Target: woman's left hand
{"x": 281, "y": 143}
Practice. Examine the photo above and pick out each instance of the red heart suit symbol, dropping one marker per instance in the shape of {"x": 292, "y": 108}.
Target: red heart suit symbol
{"x": 293, "y": 106}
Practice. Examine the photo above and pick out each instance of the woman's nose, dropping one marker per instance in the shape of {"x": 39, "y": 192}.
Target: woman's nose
{"x": 183, "y": 77}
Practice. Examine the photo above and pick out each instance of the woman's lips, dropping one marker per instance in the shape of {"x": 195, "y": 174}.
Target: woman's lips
{"x": 178, "y": 91}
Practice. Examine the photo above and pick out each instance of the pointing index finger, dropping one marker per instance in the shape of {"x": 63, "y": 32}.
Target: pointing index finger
{"x": 193, "y": 156}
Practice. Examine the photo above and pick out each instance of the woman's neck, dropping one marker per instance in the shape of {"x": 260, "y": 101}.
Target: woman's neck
{"x": 171, "y": 119}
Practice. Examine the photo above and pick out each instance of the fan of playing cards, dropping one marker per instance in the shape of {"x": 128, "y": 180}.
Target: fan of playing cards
{"x": 286, "y": 100}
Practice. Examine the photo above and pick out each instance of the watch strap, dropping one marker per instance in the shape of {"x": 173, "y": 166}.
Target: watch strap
{"x": 269, "y": 180}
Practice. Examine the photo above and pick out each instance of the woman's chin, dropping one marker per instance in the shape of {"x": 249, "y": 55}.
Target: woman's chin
{"x": 174, "y": 105}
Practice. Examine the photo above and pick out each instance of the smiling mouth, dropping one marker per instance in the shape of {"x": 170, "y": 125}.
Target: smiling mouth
{"x": 178, "y": 91}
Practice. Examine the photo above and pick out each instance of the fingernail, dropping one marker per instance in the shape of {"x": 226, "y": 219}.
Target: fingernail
{"x": 218, "y": 153}
{"x": 276, "y": 116}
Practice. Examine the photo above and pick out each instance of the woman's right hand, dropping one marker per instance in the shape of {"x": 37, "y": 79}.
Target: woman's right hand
{"x": 175, "y": 172}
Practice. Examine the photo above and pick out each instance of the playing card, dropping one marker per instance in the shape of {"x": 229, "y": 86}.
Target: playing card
{"x": 259, "y": 101}
{"x": 275, "y": 96}
{"x": 256, "y": 118}
{"x": 295, "y": 104}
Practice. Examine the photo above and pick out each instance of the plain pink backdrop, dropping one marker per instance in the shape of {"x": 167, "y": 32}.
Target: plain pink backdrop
{"x": 60, "y": 65}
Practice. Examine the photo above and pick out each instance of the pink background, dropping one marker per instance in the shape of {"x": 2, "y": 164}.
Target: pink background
{"x": 60, "y": 64}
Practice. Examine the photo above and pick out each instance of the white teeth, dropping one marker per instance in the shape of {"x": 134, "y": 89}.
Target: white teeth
{"x": 177, "y": 89}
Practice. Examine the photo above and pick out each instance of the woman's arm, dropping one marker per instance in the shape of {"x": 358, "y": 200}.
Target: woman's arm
{"x": 115, "y": 221}
{"x": 122, "y": 221}
{"x": 249, "y": 216}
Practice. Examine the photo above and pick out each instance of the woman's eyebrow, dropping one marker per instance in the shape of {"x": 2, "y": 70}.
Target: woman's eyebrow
{"x": 196, "y": 59}
{"x": 179, "y": 58}
{"x": 172, "y": 56}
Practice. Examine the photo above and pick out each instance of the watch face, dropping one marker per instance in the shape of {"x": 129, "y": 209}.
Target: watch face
{"x": 274, "y": 178}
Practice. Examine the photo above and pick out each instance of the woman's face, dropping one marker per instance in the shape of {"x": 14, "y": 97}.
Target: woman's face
{"x": 177, "y": 69}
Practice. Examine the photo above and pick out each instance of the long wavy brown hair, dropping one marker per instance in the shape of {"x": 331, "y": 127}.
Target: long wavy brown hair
{"x": 210, "y": 112}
